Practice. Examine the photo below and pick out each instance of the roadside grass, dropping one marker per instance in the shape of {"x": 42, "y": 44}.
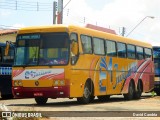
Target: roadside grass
{"x": 153, "y": 93}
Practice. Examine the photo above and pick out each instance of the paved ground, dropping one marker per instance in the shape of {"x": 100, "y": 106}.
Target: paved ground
{"x": 146, "y": 105}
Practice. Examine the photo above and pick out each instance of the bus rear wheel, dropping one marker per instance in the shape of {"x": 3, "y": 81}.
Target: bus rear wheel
{"x": 138, "y": 93}
{"x": 131, "y": 91}
{"x": 86, "y": 94}
{"x": 41, "y": 100}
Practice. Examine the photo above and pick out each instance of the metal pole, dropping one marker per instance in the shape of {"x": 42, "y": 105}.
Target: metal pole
{"x": 60, "y": 11}
{"x": 54, "y": 12}
{"x": 139, "y": 24}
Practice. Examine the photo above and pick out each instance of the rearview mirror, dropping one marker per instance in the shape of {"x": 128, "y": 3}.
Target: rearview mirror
{"x": 74, "y": 48}
{"x": 7, "y": 48}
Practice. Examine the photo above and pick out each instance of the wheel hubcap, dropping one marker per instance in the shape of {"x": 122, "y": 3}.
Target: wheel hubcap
{"x": 86, "y": 92}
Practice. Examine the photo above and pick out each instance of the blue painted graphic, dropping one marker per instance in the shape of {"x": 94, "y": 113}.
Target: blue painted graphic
{"x": 103, "y": 72}
{"x": 120, "y": 75}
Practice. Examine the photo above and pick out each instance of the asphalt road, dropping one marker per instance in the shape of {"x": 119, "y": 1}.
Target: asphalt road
{"x": 116, "y": 106}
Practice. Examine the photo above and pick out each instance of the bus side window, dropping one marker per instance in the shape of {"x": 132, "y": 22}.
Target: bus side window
{"x": 98, "y": 45}
{"x": 131, "y": 51}
{"x": 148, "y": 52}
{"x": 9, "y": 57}
{"x": 121, "y": 49}
{"x": 111, "y": 48}
{"x": 74, "y": 38}
{"x": 86, "y": 44}
{"x": 74, "y": 48}
{"x": 139, "y": 53}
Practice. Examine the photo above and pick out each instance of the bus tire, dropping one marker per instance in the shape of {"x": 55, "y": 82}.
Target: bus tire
{"x": 158, "y": 93}
{"x": 139, "y": 91}
{"x": 8, "y": 96}
{"x": 87, "y": 97}
{"x": 103, "y": 97}
{"x": 41, "y": 100}
{"x": 92, "y": 98}
{"x": 131, "y": 91}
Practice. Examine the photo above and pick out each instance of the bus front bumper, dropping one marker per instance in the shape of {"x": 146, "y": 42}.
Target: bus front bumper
{"x": 49, "y": 92}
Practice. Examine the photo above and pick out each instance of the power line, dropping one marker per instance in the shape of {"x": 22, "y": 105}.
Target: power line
{"x": 39, "y": 6}
{"x": 27, "y": 6}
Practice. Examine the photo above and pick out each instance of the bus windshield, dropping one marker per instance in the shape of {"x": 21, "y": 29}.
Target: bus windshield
{"x": 156, "y": 55}
{"x": 9, "y": 58}
{"x": 42, "y": 49}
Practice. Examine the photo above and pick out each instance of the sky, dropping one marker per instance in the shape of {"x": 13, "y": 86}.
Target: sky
{"x": 113, "y": 14}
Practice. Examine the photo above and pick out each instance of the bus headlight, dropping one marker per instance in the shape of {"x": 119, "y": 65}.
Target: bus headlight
{"x": 20, "y": 83}
{"x": 61, "y": 82}
{"x": 55, "y": 82}
{"x": 15, "y": 83}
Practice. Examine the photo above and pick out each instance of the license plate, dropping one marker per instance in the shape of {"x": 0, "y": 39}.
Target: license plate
{"x": 38, "y": 94}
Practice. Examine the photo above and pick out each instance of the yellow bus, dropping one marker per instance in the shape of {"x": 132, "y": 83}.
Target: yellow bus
{"x": 75, "y": 62}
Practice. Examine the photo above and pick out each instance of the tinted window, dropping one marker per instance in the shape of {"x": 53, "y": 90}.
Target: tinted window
{"x": 121, "y": 49}
{"x": 9, "y": 58}
{"x": 148, "y": 52}
{"x": 74, "y": 37}
{"x": 86, "y": 44}
{"x": 156, "y": 52}
{"x": 111, "y": 48}
{"x": 98, "y": 46}
{"x": 131, "y": 51}
{"x": 139, "y": 51}
{"x": 42, "y": 49}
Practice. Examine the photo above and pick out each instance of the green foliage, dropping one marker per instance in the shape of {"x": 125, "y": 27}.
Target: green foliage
{"x": 153, "y": 93}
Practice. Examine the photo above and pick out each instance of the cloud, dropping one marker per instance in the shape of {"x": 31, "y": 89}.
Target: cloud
{"x": 119, "y": 13}
{"x": 17, "y": 26}
{"x": 4, "y": 13}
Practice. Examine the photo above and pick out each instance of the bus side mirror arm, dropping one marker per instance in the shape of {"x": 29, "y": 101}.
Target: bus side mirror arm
{"x": 7, "y": 48}
{"x": 8, "y": 44}
{"x": 74, "y": 48}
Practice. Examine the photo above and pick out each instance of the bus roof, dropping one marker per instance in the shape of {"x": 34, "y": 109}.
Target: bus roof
{"x": 39, "y": 29}
{"x": 82, "y": 30}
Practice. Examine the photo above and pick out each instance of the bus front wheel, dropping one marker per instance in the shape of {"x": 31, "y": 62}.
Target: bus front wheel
{"x": 86, "y": 98}
{"x": 8, "y": 96}
{"x": 41, "y": 100}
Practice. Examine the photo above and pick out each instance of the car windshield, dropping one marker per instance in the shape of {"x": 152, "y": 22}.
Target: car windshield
{"x": 42, "y": 49}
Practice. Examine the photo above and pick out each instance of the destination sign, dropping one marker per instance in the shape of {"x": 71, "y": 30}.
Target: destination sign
{"x": 24, "y": 37}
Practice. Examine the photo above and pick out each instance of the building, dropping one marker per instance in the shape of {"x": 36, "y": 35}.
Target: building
{"x": 8, "y": 35}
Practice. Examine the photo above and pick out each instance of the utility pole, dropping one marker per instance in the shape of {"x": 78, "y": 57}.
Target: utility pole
{"x": 54, "y": 12}
{"x": 123, "y": 31}
{"x": 60, "y": 12}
